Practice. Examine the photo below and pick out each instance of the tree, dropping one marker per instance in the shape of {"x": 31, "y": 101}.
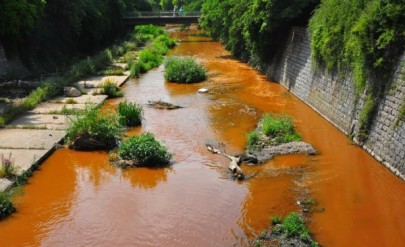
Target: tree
{"x": 17, "y": 15}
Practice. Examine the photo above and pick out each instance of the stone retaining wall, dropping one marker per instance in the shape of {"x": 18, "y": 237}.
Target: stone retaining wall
{"x": 11, "y": 67}
{"x": 333, "y": 96}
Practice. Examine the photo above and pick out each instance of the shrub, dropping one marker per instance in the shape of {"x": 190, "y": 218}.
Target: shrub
{"x": 2, "y": 121}
{"x": 184, "y": 70}
{"x": 135, "y": 68}
{"x": 145, "y": 150}
{"x": 294, "y": 226}
{"x": 149, "y": 59}
{"x": 130, "y": 114}
{"x": 280, "y": 128}
{"x": 111, "y": 89}
{"x": 103, "y": 127}
{"x": 6, "y": 205}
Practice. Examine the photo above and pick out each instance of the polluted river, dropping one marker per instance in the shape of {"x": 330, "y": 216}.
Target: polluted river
{"x": 80, "y": 199}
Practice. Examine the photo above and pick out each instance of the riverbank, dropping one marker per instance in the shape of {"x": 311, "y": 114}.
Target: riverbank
{"x": 29, "y": 139}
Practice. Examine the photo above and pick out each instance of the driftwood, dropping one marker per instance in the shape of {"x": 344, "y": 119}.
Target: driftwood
{"x": 233, "y": 166}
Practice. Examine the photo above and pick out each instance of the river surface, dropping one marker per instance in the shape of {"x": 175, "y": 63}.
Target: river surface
{"x": 79, "y": 199}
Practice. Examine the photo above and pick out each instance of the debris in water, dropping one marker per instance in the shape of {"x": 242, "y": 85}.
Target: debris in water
{"x": 160, "y": 104}
{"x": 203, "y": 90}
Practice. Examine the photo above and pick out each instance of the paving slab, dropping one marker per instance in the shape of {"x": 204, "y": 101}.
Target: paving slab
{"x": 98, "y": 81}
{"x": 29, "y": 138}
{"x": 39, "y": 121}
{"x": 86, "y": 98}
{"x": 23, "y": 159}
{"x": 52, "y": 108}
{"x": 4, "y": 184}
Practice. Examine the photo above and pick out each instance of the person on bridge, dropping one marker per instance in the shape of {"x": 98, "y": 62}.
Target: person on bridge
{"x": 181, "y": 11}
{"x": 174, "y": 10}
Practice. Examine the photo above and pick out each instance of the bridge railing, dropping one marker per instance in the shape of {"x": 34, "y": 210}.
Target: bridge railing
{"x": 163, "y": 14}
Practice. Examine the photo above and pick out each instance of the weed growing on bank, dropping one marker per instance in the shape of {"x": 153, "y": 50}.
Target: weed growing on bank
{"x": 145, "y": 150}
{"x": 130, "y": 114}
{"x": 111, "y": 89}
{"x": 184, "y": 70}
{"x": 91, "y": 123}
{"x": 6, "y": 205}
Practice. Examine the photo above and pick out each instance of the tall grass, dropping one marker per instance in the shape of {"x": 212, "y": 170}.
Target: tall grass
{"x": 111, "y": 89}
{"x": 280, "y": 128}
{"x": 103, "y": 127}
{"x": 184, "y": 70}
{"x": 130, "y": 114}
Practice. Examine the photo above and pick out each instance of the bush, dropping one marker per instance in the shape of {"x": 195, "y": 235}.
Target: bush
{"x": 149, "y": 59}
{"x": 145, "y": 150}
{"x": 130, "y": 114}
{"x": 111, "y": 89}
{"x": 135, "y": 68}
{"x": 103, "y": 127}
{"x": 6, "y": 205}
{"x": 184, "y": 70}
{"x": 280, "y": 128}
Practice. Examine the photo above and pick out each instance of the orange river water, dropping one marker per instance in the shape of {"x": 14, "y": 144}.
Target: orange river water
{"x": 79, "y": 199}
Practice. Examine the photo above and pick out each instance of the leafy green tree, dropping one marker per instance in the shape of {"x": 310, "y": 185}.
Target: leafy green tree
{"x": 17, "y": 15}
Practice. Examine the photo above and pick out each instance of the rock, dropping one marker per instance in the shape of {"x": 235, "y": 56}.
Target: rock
{"x": 71, "y": 92}
{"x": 87, "y": 144}
{"x": 285, "y": 148}
{"x": 202, "y": 90}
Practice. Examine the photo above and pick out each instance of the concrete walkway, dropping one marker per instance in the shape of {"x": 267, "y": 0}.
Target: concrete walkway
{"x": 30, "y": 139}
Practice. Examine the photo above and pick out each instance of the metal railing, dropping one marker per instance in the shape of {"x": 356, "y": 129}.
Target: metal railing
{"x": 163, "y": 14}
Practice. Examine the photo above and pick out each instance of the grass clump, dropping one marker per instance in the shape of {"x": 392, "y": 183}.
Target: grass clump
{"x": 114, "y": 71}
{"x": 2, "y": 121}
{"x": 146, "y": 150}
{"x": 294, "y": 226}
{"x": 91, "y": 123}
{"x": 6, "y": 205}
{"x": 280, "y": 128}
{"x": 253, "y": 138}
{"x": 184, "y": 70}
{"x": 71, "y": 101}
{"x": 111, "y": 89}
{"x": 130, "y": 114}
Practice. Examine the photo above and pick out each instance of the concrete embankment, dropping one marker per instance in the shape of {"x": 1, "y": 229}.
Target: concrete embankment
{"x": 333, "y": 96}
{"x": 31, "y": 138}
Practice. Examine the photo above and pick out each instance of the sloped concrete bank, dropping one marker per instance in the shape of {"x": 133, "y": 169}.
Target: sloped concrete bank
{"x": 31, "y": 138}
{"x": 333, "y": 96}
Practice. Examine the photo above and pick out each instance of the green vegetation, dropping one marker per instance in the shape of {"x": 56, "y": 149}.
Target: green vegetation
{"x": 111, "y": 89}
{"x": 152, "y": 56}
{"x": 292, "y": 226}
{"x": 253, "y": 29}
{"x": 100, "y": 126}
{"x": 276, "y": 220}
{"x": 273, "y": 130}
{"x": 184, "y": 70}
{"x": 401, "y": 116}
{"x": 7, "y": 168}
{"x": 145, "y": 150}
{"x": 6, "y": 205}
{"x": 114, "y": 71}
{"x": 71, "y": 101}
{"x": 130, "y": 114}
{"x": 280, "y": 128}
{"x": 364, "y": 37}
{"x": 253, "y": 138}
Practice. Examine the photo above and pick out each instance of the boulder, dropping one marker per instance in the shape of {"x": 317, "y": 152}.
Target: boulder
{"x": 71, "y": 92}
{"x": 87, "y": 144}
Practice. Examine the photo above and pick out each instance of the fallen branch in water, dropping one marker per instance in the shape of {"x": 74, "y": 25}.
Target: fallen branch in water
{"x": 233, "y": 166}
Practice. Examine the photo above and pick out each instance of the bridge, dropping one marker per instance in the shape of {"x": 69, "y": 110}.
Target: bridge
{"x": 167, "y": 17}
